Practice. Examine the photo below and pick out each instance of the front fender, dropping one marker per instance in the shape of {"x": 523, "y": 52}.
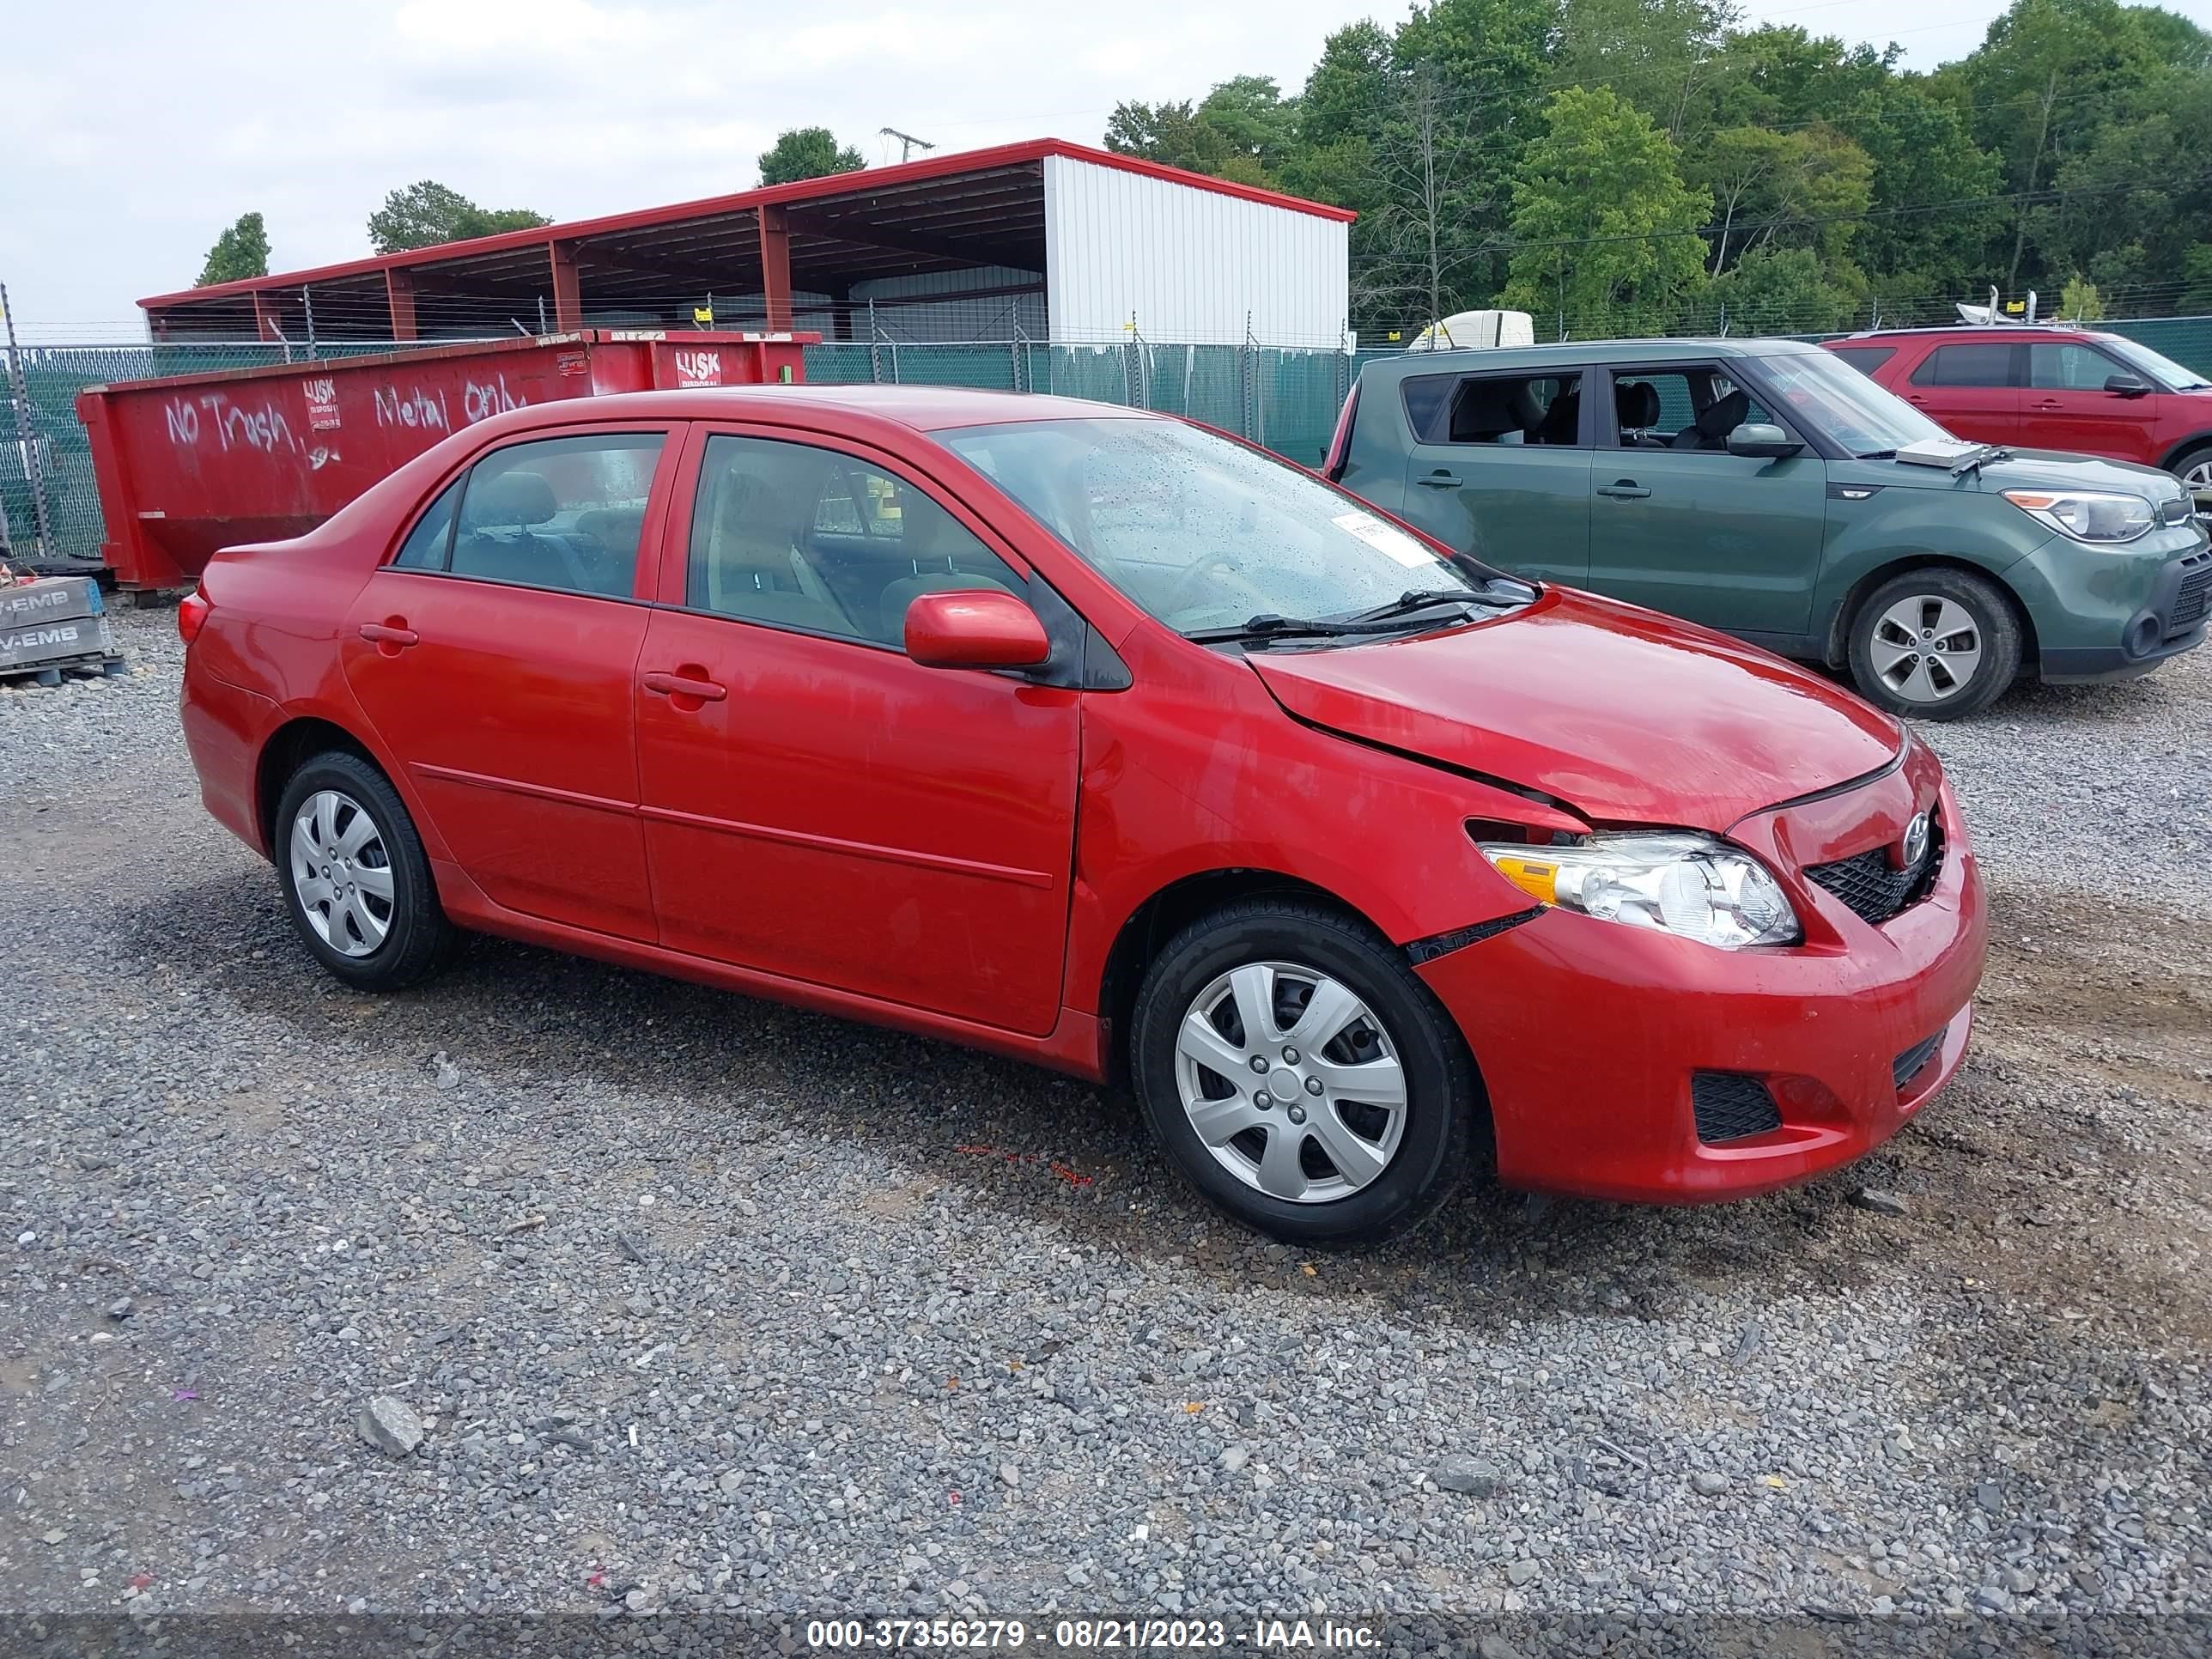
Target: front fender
{"x": 1904, "y": 524}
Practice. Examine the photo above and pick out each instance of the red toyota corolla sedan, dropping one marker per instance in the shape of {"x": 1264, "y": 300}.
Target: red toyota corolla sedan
{"x": 1093, "y": 737}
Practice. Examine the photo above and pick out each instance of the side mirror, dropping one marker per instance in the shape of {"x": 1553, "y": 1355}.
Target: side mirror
{"x": 974, "y": 627}
{"x": 2127, "y": 386}
{"x": 1762, "y": 442}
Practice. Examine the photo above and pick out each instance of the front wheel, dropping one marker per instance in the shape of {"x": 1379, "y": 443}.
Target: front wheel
{"x": 356, "y": 880}
{"x": 1938, "y": 643}
{"x": 1301, "y": 1076}
{"x": 2194, "y": 468}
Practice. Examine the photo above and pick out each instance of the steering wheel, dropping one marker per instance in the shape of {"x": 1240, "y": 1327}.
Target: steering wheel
{"x": 1186, "y": 586}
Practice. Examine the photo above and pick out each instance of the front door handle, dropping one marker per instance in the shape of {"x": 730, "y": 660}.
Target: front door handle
{"x": 2047, "y": 404}
{"x": 390, "y": 637}
{"x": 1440, "y": 479}
{"x": 682, "y": 685}
{"x": 1623, "y": 489}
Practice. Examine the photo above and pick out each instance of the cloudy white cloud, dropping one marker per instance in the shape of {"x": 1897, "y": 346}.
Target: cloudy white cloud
{"x": 128, "y": 146}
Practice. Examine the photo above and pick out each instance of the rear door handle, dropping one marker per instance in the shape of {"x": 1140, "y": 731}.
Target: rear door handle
{"x": 390, "y": 636}
{"x": 1623, "y": 489}
{"x": 680, "y": 685}
{"x": 1440, "y": 479}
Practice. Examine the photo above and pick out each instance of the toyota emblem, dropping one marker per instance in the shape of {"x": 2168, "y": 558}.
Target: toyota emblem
{"x": 1915, "y": 847}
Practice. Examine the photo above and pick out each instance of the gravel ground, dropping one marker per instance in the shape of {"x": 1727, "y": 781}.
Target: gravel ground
{"x": 705, "y": 1304}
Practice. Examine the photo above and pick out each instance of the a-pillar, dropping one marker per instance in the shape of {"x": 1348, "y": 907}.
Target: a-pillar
{"x": 775, "y": 267}
{"x": 399, "y": 294}
{"x": 567, "y": 293}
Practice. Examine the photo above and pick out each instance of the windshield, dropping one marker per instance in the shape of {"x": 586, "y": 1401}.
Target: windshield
{"x": 1827, "y": 394}
{"x": 1202, "y": 533}
{"x": 2160, "y": 371}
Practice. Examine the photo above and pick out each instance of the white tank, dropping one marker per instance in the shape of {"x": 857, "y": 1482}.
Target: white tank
{"x": 1464, "y": 329}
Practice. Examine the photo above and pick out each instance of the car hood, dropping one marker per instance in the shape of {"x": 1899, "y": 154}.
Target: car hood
{"x": 1626, "y": 716}
{"x": 2021, "y": 469}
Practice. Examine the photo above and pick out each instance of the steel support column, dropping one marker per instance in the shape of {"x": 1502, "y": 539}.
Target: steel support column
{"x": 399, "y": 294}
{"x": 775, "y": 267}
{"x": 567, "y": 296}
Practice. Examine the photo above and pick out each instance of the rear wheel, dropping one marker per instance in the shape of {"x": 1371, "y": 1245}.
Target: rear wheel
{"x": 1938, "y": 643}
{"x": 1301, "y": 1076}
{"x": 356, "y": 880}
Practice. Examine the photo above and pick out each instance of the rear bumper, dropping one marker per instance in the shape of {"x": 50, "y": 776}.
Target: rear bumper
{"x": 1588, "y": 1033}
{"x": 225, "y": 728}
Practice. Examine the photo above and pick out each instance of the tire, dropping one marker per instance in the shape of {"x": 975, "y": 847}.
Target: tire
{"x": 2194, "y": 468}
{"x": 1894, "y": 626}
{"x": 370, "y": 940}
{"x": 1404, "y": 1160}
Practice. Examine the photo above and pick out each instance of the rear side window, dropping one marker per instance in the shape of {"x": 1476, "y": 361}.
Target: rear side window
{"x": 429, "y": 542}
{"x": 561, "y": 512}
{"x": 1865, "y": 359}
{"x": 1508, "y": 411}
{"x": 1966, "y": 365}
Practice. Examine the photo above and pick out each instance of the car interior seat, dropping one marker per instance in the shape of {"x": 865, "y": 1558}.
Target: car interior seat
{"x": 497, "y": 539}
{"x": 1636, "y": 406}
{"x": 1563, "y": 421}
{"x": 1719, "y": 418}
{"x": 938, "y": 546}
{"x": 752, "y": 564}
{"x": 1495, "y": 412}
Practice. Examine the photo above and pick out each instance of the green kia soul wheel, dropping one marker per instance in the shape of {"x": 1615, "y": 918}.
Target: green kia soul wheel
{"x": 1935, "y": 644}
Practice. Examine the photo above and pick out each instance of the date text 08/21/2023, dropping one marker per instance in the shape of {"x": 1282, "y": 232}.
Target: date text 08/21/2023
{"x": 1102, "y": 1633}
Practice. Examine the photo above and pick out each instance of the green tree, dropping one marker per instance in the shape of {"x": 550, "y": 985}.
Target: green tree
{"x": 1810, "y": 187}
{"x": 426, "y": 214}
{"x": 1923, "y": 153}
{"x": 241, "y": 251}
{"x": 1781, "y": 290}
{"x": 1605, "y": 230}
{"x": 1244, "y": 130}
{"x": 2080, "y": 302}
{"x": 1658, "y": 54}
{"x": 807, "y": 152}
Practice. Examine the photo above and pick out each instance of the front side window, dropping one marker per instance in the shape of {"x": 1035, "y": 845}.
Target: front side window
{"x": 2069, "y": 367}
{"x": 1199, "y": 532}
{"x": 1692, "y": 409}
{"x": 1967, "y": 366}
{"x": 561, "y": 512}
{"x": 820, "y": 542}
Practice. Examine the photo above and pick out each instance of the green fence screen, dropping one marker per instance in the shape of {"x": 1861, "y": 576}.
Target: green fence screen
{"x": 1285, "y": 400}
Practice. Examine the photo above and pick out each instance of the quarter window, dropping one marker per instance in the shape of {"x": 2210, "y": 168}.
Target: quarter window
{"x": 817, "y": 541}
{"x": 432, "y": 538}
{"x": 1967, "y": 366}
{"x": 563, "y": 512}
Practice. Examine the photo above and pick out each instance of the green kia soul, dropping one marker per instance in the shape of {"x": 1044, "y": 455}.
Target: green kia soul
{"x": 1767, "y": 489}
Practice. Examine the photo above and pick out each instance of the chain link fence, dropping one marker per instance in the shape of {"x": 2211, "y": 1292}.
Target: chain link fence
{"x": 1284, "y": 398}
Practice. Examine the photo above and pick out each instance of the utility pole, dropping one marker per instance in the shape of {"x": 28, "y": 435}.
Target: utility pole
{"x": 908, "y": 143}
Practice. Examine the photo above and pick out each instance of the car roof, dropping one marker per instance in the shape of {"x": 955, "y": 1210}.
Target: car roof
{"x": 1570, "y": 353}
{"x": 920, "y": 408}
{"x": 2006, "y": 332}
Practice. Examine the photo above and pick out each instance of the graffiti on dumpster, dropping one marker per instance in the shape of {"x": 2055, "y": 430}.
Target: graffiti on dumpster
{"x": 430, "y": 411}
{"x": 234, "y": 426}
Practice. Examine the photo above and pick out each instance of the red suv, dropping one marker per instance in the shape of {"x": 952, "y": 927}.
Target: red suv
{"x": 1089, "y": 737}
{"x": 2050, "y": 388}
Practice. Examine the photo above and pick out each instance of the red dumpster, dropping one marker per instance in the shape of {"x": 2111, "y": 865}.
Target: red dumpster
{"x": 196, "y": 462}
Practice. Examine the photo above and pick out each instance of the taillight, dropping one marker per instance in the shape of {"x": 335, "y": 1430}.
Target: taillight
{"x": 192, "y": 614}
{"x": 1340, "y": 446}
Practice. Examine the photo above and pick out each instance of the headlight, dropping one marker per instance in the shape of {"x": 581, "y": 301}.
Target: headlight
{"x": 2086, "y": 515}
{"x": 1692, "y": 885}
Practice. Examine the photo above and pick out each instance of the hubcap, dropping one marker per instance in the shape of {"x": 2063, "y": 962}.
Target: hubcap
{"x": 2198, "y": 481}
{"x": 1292, "y": 1082}
{"x": 1926, "y": 648}
{"x": 341, "y": 873}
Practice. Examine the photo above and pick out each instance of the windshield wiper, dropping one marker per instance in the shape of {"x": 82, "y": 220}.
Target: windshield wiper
{"x": 1269, "y": 626}
{"x": 1416, "y": 599}
{"x": 1877, "y": 455}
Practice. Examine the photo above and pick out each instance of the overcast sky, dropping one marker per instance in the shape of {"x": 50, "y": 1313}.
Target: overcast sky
{"x": 125, "y": 148}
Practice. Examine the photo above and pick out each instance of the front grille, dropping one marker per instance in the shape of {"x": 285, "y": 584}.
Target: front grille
{"x": 1906, "y": 1066}
{"x": 1730, "y": 1106}
{"x": 1872, "y": 888}
{"x": 2190, "y": 600}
